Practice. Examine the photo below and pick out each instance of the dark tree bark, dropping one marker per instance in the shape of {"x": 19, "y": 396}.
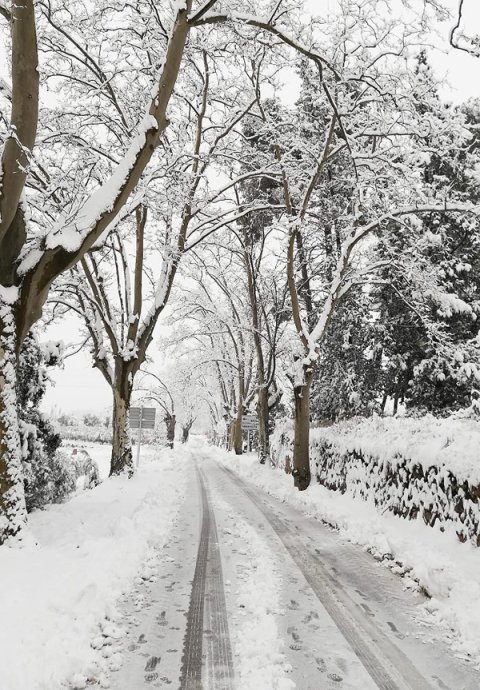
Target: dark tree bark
{"x": 262, "y": 388}
{"x": 301, "y": 449}
{"x": 13, "y": 512}
{"x": 186, "y": 430}
{"x": 121, "y": 460}
{"x": 263, "y": 414}
{"x": 237, "y": 434}
{"x": 170, "y": 423}
{"x": 20, "y": 311}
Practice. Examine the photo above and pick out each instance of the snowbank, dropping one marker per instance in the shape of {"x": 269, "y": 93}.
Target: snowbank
{"x": 58, "y": 596}
{"x": 425, "y": 468}
{"x": 101, "y": 453}
{"x": 437, "y": 562}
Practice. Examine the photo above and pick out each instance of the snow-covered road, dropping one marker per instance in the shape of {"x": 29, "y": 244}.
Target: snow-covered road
{"x": 251, "y": 594}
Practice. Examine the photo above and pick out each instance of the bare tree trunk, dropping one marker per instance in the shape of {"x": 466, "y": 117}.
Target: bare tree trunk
{"x": 170, "y": 422}
{"x": 301, "y": 449}
{"x": 186, "y": 430}
{"x": 383, "y": 403}
{"x": 262, "y": 395}
{"x": 263, "y": 419}
{"x": 305, "y": 290}
{"x": 121, "y": 460}
{"x": 237, "y": 431}
{"x": 396, "y": 396}
{"x": 13, "y": 512}
{"x": 231, "y": 434}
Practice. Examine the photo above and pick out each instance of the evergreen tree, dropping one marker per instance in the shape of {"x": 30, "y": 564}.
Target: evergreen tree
{"x": 430, "y": 363}
{"x": 48, "y": 475}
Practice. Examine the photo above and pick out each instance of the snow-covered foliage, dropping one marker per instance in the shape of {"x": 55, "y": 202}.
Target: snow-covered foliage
{"x": 417, "y": 468}
{"x": 49, "y": 476}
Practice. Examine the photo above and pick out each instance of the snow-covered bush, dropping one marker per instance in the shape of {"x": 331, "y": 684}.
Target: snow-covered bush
{"x": 84, "y": 432}
{"x": 77, "y": 431}
{"x": 48, "y": 478}
{"x": 48, "y": 475}
{"x": 86, "y": 470}
{"x": 425, "y": 468}
{"x": 281, "y": 444}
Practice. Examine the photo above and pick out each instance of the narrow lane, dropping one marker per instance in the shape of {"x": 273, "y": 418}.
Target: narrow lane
{"x": 191, "y": 675}
{"x": 177, "y": 623}
{"x": 252, "y": 595}
{"x": 366, "y": 602}
{"x": 155, "y": 613}
{"x": 388, "y": 667}
{"x": 207, "y": 658}
{"x": 281, "y": 635}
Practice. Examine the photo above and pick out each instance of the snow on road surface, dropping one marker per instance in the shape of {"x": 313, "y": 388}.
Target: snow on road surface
{"x": 58, "y": 596}
{"x": 190, "y": 576}
{"x": 305, "y": 609}
{"x": 427, "y": 557}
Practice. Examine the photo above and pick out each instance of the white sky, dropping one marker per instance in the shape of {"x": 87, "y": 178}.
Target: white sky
{"x": 79, "y": 387}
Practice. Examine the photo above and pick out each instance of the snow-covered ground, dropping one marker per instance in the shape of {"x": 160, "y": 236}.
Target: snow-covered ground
{"x": 101, "y": 453}
{"x": 447, "y": 570}
{"x": 103, "y": 597}
{"x": 59, "y": 595}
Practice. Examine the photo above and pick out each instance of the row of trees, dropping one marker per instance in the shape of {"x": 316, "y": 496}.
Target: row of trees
{"x": 279, "y": 216}
{"x": 382, "y": 279}
{"x": 73, "y": 171}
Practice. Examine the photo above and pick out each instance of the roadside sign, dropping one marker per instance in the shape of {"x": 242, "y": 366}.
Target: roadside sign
{"x": 142, "y": 417}
{"x": 249, "y": 422}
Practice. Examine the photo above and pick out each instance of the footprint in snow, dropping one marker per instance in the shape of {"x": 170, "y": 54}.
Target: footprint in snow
{"x": 161, "y": 620}
{"x": 310, "y": 616}
{"x": 335, "y": 677}
{"x": 151, "y": 664}
{"x": 150, "y": 677}
{"x": 294, "y": 633}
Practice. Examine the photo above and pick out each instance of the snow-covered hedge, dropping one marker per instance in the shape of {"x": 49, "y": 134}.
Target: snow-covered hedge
{"x": 425, "y": 468}
{"x": 102, "y": 434}
{"x": 82, "y": 432}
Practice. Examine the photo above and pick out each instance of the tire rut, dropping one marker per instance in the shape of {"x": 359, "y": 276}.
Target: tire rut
{"x": 386, "y": 664}
{"x": 207, "y": 656}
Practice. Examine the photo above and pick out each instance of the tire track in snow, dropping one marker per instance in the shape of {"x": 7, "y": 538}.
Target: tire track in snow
{"x": 387, "y": 665}
{"x": 207, "y": 614}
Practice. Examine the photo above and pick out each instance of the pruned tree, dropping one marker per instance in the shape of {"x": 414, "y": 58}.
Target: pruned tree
{"x": 121, "y": 307}
{"x": 29, "y": 264}
{"x": 370, "y": 148}
{"x": 37, "y": 247}
{"x": 214, "y": 315}
{"x": 63, "y": 192}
